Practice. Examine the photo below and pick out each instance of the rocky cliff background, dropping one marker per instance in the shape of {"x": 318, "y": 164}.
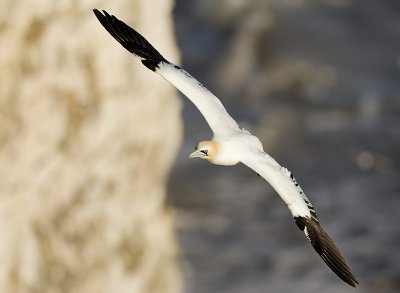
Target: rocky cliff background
{"x": 87, "y": 139}
{"x": 319, "y": 83}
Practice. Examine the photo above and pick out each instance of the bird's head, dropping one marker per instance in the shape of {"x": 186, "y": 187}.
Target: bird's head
{"x": 205, "y": 150}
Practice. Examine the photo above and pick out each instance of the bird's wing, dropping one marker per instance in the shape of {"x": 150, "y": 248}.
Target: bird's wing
{"x": 209, "y": 105}
{"x": 302, "y": 210}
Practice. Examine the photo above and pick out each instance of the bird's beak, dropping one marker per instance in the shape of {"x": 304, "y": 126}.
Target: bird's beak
{"x": 197, "y": 154}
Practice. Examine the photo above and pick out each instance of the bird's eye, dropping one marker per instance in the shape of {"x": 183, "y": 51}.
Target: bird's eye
{"x": 204, "y": 152}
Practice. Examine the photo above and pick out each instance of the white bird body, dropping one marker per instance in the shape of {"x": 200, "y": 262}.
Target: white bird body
{"x": 231, "y": 145}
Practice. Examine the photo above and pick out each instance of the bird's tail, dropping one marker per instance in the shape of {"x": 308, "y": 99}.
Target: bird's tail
{"x": 130, "y": 39}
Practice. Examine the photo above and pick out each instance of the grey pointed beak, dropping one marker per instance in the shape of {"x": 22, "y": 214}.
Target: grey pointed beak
{"x": 197, "y": 154}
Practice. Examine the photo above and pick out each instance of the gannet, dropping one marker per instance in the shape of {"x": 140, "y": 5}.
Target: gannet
{"x": 231, "y": 145}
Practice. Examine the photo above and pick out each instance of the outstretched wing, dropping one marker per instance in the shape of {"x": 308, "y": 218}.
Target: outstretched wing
{"x": 209, "y": 105}
{"x": 302, "y": 210}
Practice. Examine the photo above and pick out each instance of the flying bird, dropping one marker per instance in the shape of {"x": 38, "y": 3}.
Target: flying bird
{"x": 231, "y": 145}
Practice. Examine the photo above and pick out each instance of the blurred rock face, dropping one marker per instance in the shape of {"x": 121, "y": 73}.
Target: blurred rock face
{"x": 87, "y": 137}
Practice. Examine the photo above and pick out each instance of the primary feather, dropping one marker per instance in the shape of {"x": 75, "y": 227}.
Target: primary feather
{"x": 207, "y": 103}
{"x": 302, "y": 210}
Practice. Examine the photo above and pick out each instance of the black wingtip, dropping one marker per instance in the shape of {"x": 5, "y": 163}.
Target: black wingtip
{"x": 326, "y": 249}
{"x": 130, "y": 39}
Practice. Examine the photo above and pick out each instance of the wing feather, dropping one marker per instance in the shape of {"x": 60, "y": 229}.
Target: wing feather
{"x": 282, "y": 180}
{"x": 220, "y": 122}
{"x": 327, "y": 250}
{"x": 208, "y": 104}
{"x": 302, "y": 210}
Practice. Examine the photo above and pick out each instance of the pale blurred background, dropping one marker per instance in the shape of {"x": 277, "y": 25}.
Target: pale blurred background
{"x": 88, "y": 139}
